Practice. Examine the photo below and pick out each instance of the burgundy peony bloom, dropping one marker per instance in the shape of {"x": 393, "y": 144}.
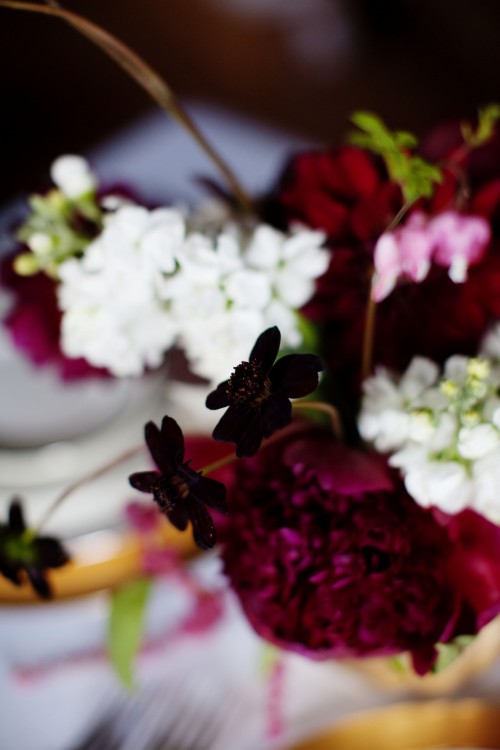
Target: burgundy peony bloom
{"x": 181, "y": 492}
{"x": 21, "y": 552}
{"x": 258, "y": 393}
{"x": 331, "y": 558}
{"x": 347, "y": 193}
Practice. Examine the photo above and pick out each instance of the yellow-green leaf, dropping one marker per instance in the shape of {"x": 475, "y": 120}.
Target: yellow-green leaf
{"x": 126, "y": 623}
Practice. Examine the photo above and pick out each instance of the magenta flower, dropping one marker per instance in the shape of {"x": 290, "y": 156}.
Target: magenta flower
{"x": 181, "y": 492}
{"x": 331, "y": 558}
{"x": 258, "y": 393}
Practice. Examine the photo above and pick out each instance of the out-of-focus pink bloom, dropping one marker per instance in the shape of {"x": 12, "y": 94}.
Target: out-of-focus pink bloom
{"x": 158, "y": 561}
{"x": 460, "y": 241}
{"x": 144, "y": 519}
{"x": 449, "y": 239}
{"x": 405, "y": 252}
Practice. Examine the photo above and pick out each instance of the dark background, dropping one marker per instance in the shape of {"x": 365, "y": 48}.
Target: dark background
{"x": 415, "y": 62}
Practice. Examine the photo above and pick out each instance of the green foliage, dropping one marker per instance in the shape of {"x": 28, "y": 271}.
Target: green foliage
{"x": 448, "y": 652}
{"x": 486, "y": 126}
{"x": 269, "y": 655}
{"x": 415, "y": 176}
{"x": 51, "y": 231}
{"x": 126, "y": 622}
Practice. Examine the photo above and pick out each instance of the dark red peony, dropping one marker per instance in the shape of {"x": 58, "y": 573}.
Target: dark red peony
{"x": 330, "y": 558}
{"x": 346, "y": 192}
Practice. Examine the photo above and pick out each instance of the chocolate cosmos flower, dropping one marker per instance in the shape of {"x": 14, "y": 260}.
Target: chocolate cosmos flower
{"x": 21, "y": 552}
{"x": 258, "y": 393}
{"x": 181, "y": 492}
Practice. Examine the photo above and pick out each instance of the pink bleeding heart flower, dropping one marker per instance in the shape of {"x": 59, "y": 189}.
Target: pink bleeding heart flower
{"x": 448, "y": 239}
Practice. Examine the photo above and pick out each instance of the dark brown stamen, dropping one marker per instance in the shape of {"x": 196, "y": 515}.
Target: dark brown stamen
{"x": 248, "y": 384}
{"x": 170, "y": 491}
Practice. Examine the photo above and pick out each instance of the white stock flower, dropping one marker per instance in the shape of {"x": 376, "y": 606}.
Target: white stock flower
{"x": 389, "y": 415}
{"x": 226, "y": 339}
{"x": 149, "y": 280}
{"x": 444, "y": 435}
{"x": 227, "y": 289}
{"x": 112, "y": 314}
{"x": 490, "y": 345}
{"x": 290, "y": 262}
{"x": 73, "y": 176}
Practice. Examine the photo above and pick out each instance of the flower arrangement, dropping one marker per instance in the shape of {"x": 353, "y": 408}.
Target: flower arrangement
{"x": 377, "y": 262}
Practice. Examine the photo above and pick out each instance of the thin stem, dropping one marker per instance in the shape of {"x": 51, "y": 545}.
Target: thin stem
{"x": 371, "y": 305}
{"x": 84, "y": 481}
{"x": 145, "y": 76}
{"x": 368, "y": 337}
{"x": 399, "y": 216}
{"x": 209, "y": 468}
{"x": 335, "y": 421}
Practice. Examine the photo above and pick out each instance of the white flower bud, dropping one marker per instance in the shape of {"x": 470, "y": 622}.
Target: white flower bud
{"x": 73, "y": 176}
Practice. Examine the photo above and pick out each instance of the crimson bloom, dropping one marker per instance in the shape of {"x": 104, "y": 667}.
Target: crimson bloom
{"x": 258, "y": 393}
{"x": 23, "y": 553}
{"x": 347, "y": 193}
{"x": 330, "y": 557}
{"x": 181, "y": 492}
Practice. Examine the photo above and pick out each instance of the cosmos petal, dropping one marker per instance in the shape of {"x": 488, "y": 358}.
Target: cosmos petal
{"x": 178, "y": 517}
{"x": 211, "y": 492}
{"x": 296, "y": 375}
{"x": 10, "y": 572}
{"x": 166, "y": 445}
{"x": 144, "y": 481}
{"x": 203, "y": 526}
{"x": 16, "y": 518}
{"x": 38, "y": 581}
{"x": 266, "y": 348}
{"x": 164, "y": 459}
{"x": 218, "y": 399}
{"x": 230, "y": 426}
{"x": 251, "y": 437}
{"x": 50, "y": 552}
{"x": 173, "y": 439}
{"x": 275, "y": 413}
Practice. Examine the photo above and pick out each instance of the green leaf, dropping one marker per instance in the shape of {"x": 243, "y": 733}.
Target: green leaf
{"x": 448, "y": 652}
{"x": 126, "y": 622}
{"x": 269, "y": 655}
{"x": 487, "y": 120}
{"x": 415, "y": 176}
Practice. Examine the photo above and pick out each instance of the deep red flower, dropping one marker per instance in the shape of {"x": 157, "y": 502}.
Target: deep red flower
{"x": 331, "y": 558}
{"x": 181, "y": 492}
{"x": 347, "y": 193}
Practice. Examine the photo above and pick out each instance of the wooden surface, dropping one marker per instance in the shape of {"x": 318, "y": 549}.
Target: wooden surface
{"x": 438, "y": 724}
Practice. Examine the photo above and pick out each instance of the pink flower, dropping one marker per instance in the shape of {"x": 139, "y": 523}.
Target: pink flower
{"x": 460, "y": 241}
{"x": 331, "y": 558}
{"x": 405, "y": 252}
{"x": 144, "y": 519}
{"x": 449, "y": 239}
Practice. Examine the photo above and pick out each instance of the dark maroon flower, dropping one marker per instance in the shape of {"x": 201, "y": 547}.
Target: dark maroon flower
{"x": 258, "y": 393}
{"x": 181, "y": 492}
{"x": 346, "y": 192}
{"x": 331, "y": 558}
{"x": 21, "y": 552}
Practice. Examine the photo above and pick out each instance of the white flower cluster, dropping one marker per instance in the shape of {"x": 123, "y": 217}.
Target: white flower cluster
{"x": 149, "y": 281}
{"x": 443, "y": 430}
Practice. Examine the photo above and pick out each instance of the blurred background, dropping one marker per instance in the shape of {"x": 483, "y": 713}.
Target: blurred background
{"x": 300, "y": 64}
